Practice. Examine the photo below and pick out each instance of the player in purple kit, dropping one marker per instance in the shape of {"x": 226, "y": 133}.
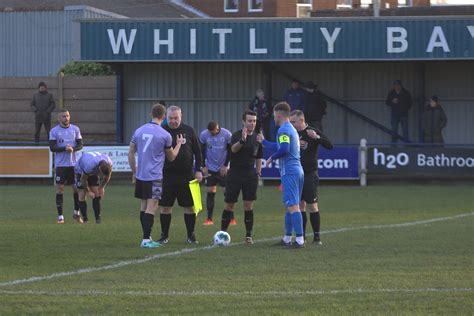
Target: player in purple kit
{"x": 215, "y": 142}
{"x": 152, "y": 145}
{"x": 64, "y": 140}
{"x": 93, "y": 171}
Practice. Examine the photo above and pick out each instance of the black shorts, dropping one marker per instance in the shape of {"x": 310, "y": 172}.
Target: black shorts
{"x": 176, "y": 189}
{"x": 237, "y": 180}
{"x": 92, "y": 181}
{"x": 214, "y": 179}
{"x": 310, "y": 188}
{"x": 64, "y": 175}
{"x": 146, "y": 190}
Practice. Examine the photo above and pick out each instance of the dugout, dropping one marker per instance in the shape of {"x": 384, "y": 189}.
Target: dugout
{"x": 212, "y": 67}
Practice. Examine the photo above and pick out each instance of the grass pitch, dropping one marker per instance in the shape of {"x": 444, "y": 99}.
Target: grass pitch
{"x": 388, "y": 249}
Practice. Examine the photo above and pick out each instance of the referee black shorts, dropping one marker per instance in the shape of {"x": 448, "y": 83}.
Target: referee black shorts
{"x": 176, "y": 189}
{"x": 92, "y": 181}
{"x": 310, "y": 188}
{"x": 146, "y": 190}
{"x": 214, "y": 179}
{"x": 64, "y": 175}
{"x": 238, "y": 180}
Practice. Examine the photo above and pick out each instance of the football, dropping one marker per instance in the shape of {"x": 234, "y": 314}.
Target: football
{"x": 221, "y": 238}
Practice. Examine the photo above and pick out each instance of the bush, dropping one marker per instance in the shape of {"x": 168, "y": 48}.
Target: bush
{"x": 80, "y": 68}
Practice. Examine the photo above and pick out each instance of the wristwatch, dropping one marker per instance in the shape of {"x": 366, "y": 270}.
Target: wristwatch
{"x": 241, "y": 142}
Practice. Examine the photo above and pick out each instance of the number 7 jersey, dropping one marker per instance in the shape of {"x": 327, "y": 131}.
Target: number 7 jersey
{"x": 151, "y": 141}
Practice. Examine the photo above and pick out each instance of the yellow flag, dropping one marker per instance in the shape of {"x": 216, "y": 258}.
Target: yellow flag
{"x": 196, "y": 194}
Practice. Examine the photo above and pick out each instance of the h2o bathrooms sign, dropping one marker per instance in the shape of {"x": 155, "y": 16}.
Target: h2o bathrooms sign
{"x": 426, "y": 161}
{"x": 427, "y": 38}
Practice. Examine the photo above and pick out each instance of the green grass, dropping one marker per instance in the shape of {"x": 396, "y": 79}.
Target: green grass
{"x": 420, "y": 269}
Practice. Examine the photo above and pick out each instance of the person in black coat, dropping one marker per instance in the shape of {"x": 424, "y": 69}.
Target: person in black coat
{"x": 314, "y": 106}
{"x": 400, "y": 102}
{"x": 433, "y": 121}
{"x": 42, "y": 105}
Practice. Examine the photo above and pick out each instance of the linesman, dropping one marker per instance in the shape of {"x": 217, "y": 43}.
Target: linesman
{"x": 177, "y": 174}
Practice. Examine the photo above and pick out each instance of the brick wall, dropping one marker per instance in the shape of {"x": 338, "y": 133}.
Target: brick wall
{"x": 90, "y": 100}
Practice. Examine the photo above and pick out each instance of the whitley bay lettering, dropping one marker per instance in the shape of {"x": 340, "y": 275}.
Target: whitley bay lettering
{"x": 309, "y": 41}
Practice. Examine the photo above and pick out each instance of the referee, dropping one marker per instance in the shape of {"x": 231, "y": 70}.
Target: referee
{"x": 245, "y": 169}
{"x": 310, "y": 139}
{"x": 177, "y": 174}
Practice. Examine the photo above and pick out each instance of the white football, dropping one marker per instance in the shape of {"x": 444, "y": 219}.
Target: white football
{"x": 221, "y": 238}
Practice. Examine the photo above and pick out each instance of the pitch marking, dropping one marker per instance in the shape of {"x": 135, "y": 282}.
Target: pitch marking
{"x": 188, "y": 250}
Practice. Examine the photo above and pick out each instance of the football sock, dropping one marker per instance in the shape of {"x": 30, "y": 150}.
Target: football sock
{"x": 297, "y": 221}
{"x": 305, "y": 221}
{"x": 142, "y": 214}
{"x": 190, "y": 221}
{"x": 59, "y": 203}
{"x": 83, "y": 208}
{"x": 210, "y": 204}
{"x": 165, "y": 220}
{"x": 288, "y": 225}
{"x": 96, "y": 207}
{"x": 248, "y": 219}
{"x": 226, "y": 217}
{"x": 148, "y": 220}
{"x": 76, "y": 201}
{"x": 315, "y": 222}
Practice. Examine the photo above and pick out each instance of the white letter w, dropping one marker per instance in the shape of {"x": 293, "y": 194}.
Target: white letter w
{"x": 121, "y": 38}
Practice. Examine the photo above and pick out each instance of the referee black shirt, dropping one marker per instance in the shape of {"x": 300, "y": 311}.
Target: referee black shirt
{"x": 183, "y": 165}
{"x": 309, "y": 155}
{"x": 245, "y": 158}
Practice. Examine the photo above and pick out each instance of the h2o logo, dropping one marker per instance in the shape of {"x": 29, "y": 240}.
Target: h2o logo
{"x": 390, "y": 161}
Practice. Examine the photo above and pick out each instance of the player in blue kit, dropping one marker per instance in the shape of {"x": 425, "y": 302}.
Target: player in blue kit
{"x": 287, "y": 150}
{"x": 65, "y": 140}
{"x": 92, "y": 171}
{"x": 152, "y": 145}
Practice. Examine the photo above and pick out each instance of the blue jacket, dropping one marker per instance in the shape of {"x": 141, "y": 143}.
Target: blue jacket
{"x": 295, "y": 98}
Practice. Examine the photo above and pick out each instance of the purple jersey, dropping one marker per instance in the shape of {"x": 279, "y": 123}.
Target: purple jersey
{"x": 65, "y": 136}
{"x": 216, "y": 148}
{"x": 89, "y": 163}
{"x": 151, "y": 141}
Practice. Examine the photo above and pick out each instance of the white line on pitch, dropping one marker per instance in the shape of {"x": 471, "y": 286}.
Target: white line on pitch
{"x": 234, "y": 293}
{"x": 188, "y": 250}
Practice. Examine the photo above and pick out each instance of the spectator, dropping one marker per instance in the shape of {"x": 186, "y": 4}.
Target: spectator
{"x": 399, "y": 99}
{"x": 433, "y": 121}
{"x": 261, "y": 106}
{"x": 314, "y": 106}
{"x": 295, "y": 96}
{"x": 42, "y": 105}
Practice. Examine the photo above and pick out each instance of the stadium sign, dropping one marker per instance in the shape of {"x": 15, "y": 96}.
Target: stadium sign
{"x": 440, "y": 162}
{"x": 408, "y": 38}
{"x": 339, "y": 163}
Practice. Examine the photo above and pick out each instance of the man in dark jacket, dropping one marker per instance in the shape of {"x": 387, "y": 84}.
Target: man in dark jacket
{"x": 42, "y": 105}
{"x": 295, "y": 96}
{"x": 433, "y": 121}
{"x": 400, "y": 102}
{"x": 314, "y": 105}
